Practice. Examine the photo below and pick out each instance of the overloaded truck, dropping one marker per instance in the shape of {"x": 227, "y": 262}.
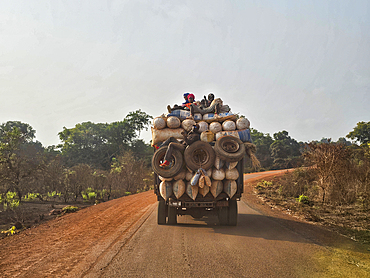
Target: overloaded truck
{"x": 207, "y": 177}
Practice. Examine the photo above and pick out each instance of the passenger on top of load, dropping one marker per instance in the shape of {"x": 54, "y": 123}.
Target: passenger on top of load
{"x": 178, "y": 107}
{"x": 172, "y": 143}
{"x": 214, "y": 106}
{"x": 191, "y": 102}
{"x": 207, "y": 102}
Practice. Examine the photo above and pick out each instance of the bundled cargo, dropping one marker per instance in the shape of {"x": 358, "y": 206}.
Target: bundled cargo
{"x": 205, "y": 144}
{"x": 173, "y": 122}
{"x": 211, "y": 117}
{"x": 192, "y": 191}
{"x": 179, "y": 188}
{"x": 159, "y": 122}
{"x": 228, "y": 125}
{"x": 244, "y": 134}
{"x": 161, "y": 135}
{"x": 242, "y": 123}
{"x": 230, "y": 187}
{"x": 216, "y": 188}
{"x": 204, "y": 190}
{"x": 203, "y": 126}
{"x": 184, "y": 114}
{"x": 165, "y": 189}
{"x": 215, "y": 127}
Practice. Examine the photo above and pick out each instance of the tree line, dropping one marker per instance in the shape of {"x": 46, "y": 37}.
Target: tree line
{"x": 94, "y": 161}
{"x": 108, "y": 160}
{"x": 281, "y": 151}
{"x": 336, "y": 173}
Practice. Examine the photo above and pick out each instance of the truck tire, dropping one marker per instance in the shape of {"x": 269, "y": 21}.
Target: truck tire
{"x": 233, "y": 213}
{"x": 199, "y": 155}
{"x": 172, "y": 215}
{"x": 230, "y": 148}
{"x": 174, "y": 169}
{"x": 223, "y": 215}
{"x": 161, "y": 217}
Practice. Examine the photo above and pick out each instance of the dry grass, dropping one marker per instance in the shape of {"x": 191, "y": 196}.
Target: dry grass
{"x": 351, "y": 219}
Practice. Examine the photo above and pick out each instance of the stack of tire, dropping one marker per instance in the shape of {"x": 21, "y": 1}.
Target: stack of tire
{"x": 220, "y": 149}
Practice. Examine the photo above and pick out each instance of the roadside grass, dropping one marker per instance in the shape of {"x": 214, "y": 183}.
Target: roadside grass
{"x": 302, "y": 198}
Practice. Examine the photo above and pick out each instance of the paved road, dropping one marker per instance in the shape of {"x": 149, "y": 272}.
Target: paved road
{"x": 260, "y": 246}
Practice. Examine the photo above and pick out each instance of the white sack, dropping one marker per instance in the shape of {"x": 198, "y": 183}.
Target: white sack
{"x": 230, "y": 187}
{"x": 228, "y": 125}
{"x": 173, "y": 122}
{"x": 179, "y": 188}
{"x": 159, "y": 123}
{"x": 165, "y": 189}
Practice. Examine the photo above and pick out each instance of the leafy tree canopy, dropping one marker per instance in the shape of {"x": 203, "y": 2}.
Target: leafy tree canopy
{"x": 361, "y": 133}
{"x": 25, "y": 132}
{"x": 96, "y": 144}
{"x": 284, "y": 146}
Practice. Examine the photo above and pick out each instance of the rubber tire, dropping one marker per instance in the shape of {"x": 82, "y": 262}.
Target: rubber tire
{"x": 172, "y": 215}
{"x": 190, "y": 151}
{"x": 161, "y": 217}
{"x": 174, "y": 170}
{"x": 229, "y": 156}
{"x": 233, "y": 213}
{"x": 223, "y": 215}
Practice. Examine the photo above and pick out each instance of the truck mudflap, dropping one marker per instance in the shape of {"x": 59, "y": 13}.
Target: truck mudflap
{"x": 182, "y": 204}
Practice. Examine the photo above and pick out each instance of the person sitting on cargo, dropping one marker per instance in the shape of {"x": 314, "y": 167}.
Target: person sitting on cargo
{"x": 172, "y": 143}
{"x": 207, "y": 102}
{"x": 186, "y": 99}
{"x": 211, "y": 97}
{"x": 191, "y": 101}
{"x": 214, "y": 106}
{"x": 178, "y": 107}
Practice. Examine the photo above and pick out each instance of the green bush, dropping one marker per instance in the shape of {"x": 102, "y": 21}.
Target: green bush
{"x": 303, "y": 199}
{"x": 264, "y": 184}
{"x": 89, "y": 194}
{"x": 69, "y": 209}
{"x": 9, "y": 200}
{"x": 31, "y": 196}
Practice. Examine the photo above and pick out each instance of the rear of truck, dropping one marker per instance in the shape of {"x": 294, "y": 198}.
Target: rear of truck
{"x": 224, "y": 206}
{"x": 206, "y": 178}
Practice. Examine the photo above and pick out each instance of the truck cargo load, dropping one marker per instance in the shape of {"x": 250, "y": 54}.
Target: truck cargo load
{"x": 206, "y": 177}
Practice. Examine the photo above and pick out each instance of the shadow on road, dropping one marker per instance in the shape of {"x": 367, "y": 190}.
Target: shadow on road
{"x": 272, "y": 228}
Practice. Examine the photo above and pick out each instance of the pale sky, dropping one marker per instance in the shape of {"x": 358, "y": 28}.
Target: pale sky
{"x": 300, "y": 66}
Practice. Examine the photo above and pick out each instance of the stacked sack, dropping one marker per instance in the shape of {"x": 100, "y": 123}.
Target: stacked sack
{"x": 212, "y": 127}
{"x": 220, "y": 178}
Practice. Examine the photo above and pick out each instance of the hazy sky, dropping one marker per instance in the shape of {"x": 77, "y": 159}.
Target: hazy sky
{"x": 300, "y": 66}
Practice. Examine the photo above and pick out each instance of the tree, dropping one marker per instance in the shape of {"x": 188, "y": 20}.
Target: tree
{"x": 361, "y": 133}
{"x": 331, "y": 163}
{"x": 342, "y": 140}
{"x": 96, "y": 144}
{"x": 25, "y": 132}
{"x": 20, "y": 157}
{"x": 263, "y": 143}
{"x": 85, "y": 143}
{"x": 284, "y": 149}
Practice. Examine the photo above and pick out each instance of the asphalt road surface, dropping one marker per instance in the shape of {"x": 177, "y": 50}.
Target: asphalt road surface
{"x": 259, "y": 246}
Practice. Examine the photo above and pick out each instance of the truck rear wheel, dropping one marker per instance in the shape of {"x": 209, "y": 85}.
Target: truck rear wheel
{"x": 161, "y": 217}
{"x": 172, "y": 215}
{"x": 223, "y": 214}
{"x": 233, "y": 213}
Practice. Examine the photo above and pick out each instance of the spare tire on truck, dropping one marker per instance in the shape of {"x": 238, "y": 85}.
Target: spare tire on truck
{"x": 175, "y": 167}
{"x": 199, "y": 155}
{"x": 230, "y": 148}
